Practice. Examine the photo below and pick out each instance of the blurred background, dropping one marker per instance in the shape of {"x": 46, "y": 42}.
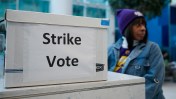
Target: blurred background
{"x": 160, "y": 16}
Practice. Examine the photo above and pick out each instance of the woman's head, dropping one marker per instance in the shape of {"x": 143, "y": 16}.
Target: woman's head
{"x": 125, "y": 17}
{"x": 136, "y": 30}
{"x": 132, "y": 25}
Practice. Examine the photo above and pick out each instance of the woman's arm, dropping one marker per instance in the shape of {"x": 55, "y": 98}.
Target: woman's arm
{"x": 111, "y": 58}
{"x": 155, "y": 75}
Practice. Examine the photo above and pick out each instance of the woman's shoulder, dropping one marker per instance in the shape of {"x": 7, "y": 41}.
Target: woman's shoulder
{"x": 153, "y": 46}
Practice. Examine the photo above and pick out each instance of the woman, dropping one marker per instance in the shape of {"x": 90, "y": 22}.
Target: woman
{"x": 134, "y": 54}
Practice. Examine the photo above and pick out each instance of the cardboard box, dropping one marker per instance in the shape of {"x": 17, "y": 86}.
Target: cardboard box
{"x": 44, "y": 49}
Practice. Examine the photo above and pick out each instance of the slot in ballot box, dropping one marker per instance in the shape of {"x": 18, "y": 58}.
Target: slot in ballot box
{"x": 44, "y": 49}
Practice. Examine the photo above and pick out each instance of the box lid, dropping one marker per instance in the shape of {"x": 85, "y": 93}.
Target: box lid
{"x": 48, "y": 18}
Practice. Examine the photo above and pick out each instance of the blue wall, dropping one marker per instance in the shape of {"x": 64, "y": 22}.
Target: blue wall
{"x": 154, "y": 30}
{"x": 158, "y": 28}
{"x": 173, "y": 34}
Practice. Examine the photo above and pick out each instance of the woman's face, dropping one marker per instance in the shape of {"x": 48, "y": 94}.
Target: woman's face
{"x": 139, "y": 31}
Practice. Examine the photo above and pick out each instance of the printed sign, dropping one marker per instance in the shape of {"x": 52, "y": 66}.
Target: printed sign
{"x": 53, "y": 52}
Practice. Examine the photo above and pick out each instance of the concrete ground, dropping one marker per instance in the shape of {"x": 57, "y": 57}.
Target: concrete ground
{"x": 169, "y": 89}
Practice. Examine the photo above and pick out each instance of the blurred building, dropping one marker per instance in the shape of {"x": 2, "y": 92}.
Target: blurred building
{"x": 85, "y": 8}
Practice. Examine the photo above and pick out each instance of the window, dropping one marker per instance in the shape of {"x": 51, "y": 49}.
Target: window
{"x": 77, "y": 10}
{"x": 96, "y": 12}
{"x": 6, "y": 4}
{"x": 90, "y": 8}
{"x": 102, "y": 2}
{"x": 34, "y": 5}
{"x": 29, "y": 5}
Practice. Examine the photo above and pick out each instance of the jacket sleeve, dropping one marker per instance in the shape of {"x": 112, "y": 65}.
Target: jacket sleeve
{"x": 111, "y": 58}
{"x": 155, "y": 75}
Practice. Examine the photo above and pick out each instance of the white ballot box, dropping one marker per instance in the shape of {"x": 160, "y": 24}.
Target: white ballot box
{"x": 53, "y": 49}
{"x": 118, "y": 86}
